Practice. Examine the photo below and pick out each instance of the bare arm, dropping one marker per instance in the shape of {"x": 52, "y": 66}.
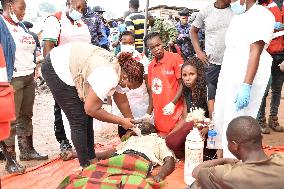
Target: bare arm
{"x": 48, "y": 46}
{"x": 150, "y": 106}
{"x": 195, "y": 42}
{"x": 93, "y": 107}
{"x": 179, "y": 92}
{"x": 105, "y": 154}
{"x": 166, "y": 169}
{"x": 122, "y": 104}
{"x": 253, "y": 62}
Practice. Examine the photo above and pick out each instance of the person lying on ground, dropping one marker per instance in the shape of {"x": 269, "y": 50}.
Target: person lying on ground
{"x": 254, "y": 170}
{"x": 149, "y": 148}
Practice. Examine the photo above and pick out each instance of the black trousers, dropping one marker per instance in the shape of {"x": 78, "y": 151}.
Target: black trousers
{"x": 58, "y": 124}
{"x": 212, "y": 72}
{"x": 81, "y": 125}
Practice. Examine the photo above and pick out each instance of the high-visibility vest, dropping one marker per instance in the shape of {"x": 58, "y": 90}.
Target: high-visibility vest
{"x": 277, "y": 44}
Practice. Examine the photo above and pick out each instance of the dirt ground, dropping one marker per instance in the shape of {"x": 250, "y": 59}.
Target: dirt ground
{"x": 45, "y": 141}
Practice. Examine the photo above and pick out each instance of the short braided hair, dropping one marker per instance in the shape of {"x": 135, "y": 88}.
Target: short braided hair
{"x": 150, "y": 36}
{"x": 133, "y": 68}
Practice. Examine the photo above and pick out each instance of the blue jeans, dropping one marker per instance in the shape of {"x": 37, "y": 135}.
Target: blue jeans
{"x": 277, "y": 79}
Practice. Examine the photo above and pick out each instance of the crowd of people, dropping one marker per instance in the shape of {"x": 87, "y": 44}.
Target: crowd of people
{"x": 223, "y": 59}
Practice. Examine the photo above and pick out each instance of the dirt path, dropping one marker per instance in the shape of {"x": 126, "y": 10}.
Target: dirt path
{"x": 45, "y": 141}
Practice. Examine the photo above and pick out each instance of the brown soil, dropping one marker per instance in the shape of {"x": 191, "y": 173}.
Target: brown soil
{"x": 45, "y": 141}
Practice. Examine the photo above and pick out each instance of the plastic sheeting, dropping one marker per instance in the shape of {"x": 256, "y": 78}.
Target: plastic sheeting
{"x": 50, "y": 174}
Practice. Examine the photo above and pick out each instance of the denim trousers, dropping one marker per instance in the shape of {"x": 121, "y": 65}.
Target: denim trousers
{"x": 277, "y": 79}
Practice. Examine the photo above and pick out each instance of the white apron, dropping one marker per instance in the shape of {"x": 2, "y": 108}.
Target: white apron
{"x": 241, "y": 33}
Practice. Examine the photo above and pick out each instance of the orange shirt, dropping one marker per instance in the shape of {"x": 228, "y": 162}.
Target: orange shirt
{"x": 163, "y": 79}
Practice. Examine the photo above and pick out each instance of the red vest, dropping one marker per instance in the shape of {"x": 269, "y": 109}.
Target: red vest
{"x": 277, "y": 44}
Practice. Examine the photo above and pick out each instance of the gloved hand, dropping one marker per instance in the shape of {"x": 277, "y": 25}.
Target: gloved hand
{"x": 243, "y": 96}
{"x": 169, "y": 109}
{"x": 278, "y": 26}
{"x": 146, "y": 118}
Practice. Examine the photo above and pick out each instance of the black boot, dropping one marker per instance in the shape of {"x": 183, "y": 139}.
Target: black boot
{"x": 27, "y": 151}
{"x": 12, "y": 166}
{"x": 274, "y": 124}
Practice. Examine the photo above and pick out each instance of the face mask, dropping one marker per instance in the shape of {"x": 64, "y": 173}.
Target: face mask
{"x": 122, "y": 89}
{"x": 13, "y": 16}
{"x": 127, "y": 48}
{"x": 74, "y": 14}
{"x": 238, "y": 8}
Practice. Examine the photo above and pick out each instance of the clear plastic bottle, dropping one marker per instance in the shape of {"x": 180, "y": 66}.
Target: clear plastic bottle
{"x": 211, "y": 139}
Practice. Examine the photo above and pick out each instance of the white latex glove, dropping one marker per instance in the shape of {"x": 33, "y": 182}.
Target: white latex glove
{"x": 169, "y": 109}
{"x": 146, "y": 118}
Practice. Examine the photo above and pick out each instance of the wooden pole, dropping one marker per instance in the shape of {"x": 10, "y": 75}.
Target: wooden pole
{"x": 146, "y": 24}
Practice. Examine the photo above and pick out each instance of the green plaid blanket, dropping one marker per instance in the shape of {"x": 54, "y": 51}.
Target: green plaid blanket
{"x": 123, "y": 171}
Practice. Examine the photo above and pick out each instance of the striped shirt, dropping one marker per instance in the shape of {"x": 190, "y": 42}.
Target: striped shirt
{"x": 135, "y": 21}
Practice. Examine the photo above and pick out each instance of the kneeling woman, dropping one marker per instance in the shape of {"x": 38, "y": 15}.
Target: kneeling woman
{"x": 80, "y": 76}
{"x": 195, "y": 96}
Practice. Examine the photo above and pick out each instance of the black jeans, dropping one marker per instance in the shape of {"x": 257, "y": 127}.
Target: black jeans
{"x": 277, "y": 77}
{"x": 58, "y": 124}
{"x": 81, "y": 125}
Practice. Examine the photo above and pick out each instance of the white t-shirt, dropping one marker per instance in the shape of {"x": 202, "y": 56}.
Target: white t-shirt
{"x": 25, "y": 46}
{"x": 68, "y": 31}
{"x": 138, "y": 98}
{"x": 60, "y": 59}
{"x": 153, "y": 146}
{"x": 215, "y": 22}
{"x": 103, "y": 79}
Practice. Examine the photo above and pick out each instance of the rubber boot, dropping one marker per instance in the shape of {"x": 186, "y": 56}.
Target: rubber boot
{"x": 263, "y": 125}
{"x": 274, "y": 124}
{"x": 12, "y": 166}
{"x": 27, "y": 151}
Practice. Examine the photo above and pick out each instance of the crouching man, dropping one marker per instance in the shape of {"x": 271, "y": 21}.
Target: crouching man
{"x": 253, "y": 169}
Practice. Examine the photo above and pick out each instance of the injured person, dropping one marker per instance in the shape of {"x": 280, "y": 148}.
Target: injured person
{"x": 129, "y": 164}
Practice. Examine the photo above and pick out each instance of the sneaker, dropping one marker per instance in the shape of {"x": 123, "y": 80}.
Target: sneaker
{"x": 263, "y": 126}
{"x": 65, "y": 146}
{"x": 274, "y": 124}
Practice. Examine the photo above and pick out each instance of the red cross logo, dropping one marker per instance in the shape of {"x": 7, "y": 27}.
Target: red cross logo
{"x": 157, "y": 86}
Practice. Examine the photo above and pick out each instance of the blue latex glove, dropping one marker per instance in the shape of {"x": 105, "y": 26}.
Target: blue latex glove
{"x": 278, "y": 26}
{"x": 243, "y": 96}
